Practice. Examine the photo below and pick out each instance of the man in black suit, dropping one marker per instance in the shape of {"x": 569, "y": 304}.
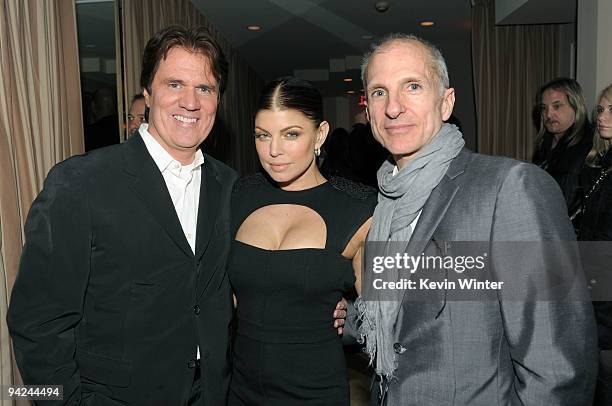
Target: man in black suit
{"x": 122, "y": 295}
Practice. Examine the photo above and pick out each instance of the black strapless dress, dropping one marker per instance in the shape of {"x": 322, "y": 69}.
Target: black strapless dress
{"x": 286, "y": 350}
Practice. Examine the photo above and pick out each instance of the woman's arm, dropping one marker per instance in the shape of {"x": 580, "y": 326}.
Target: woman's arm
{"x": 354, "y": 251}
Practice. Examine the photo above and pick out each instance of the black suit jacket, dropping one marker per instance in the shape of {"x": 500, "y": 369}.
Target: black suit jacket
{"x": 110, "y": 300}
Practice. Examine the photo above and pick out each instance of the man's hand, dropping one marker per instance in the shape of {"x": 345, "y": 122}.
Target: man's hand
{"x": 340, "y": 315}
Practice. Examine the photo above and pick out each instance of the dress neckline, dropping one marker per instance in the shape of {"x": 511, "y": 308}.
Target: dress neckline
{"x": 301, "y": 191}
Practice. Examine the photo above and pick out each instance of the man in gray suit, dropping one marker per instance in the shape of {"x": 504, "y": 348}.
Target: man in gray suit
{"x": 444, "y": 351}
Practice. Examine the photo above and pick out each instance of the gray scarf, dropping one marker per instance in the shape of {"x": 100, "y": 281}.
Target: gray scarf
{"x": 400, "y": 200}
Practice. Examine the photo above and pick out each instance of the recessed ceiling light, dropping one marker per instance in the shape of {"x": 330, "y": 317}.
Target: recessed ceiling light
{"x": 253, "y": 27}
{"x": 351, "y": 92}
{"x": 348, "y": 79}
{"x": 382, "y": 6}
{"x": 427, "y": 23}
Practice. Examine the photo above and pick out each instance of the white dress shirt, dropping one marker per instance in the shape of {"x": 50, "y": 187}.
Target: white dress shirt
{"x": 182, "y": 181}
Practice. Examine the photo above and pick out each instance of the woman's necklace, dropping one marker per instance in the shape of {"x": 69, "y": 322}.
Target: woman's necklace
{"x": 587, "y": 196}
{"x": 602, "y": 176}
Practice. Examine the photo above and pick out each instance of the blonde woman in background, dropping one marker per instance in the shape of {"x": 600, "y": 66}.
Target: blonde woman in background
{"x": 595, "y": 224}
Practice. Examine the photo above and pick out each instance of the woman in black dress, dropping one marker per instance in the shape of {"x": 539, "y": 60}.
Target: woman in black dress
{"x": 595, "y": 224}
{"x": 297, "y": 242}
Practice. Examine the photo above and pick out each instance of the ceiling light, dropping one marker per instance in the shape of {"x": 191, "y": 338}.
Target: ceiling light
{"x": 348, "y": 79}
{"x": 382, "y": 6}
{"x": 427, "y": 23}
{"x": 367, "y": 36}
{"x": 351, "y": 92}
{"x": 253, "y": 27}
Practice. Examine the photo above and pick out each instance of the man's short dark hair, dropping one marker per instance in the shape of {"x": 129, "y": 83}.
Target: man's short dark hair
{"x": 196, "y": 39}
{"x": 138, "y": 96}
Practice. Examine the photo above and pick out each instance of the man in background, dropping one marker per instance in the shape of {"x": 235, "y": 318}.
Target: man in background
{"x": 136, "y": 114}
{"x": 104, "y": 130}
{"x": 565, "y": 135}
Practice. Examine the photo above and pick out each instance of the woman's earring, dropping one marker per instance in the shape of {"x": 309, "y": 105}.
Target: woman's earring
{"x": 317, "y": 151}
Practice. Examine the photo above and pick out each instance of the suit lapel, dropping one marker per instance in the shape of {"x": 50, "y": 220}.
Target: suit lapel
{"x": 210, "y": 190}
{"x": 433, "y": 211}
{"x": 150, "y": 187}
{"x": 436, "y": 206}
{"x": 208, "y": 211}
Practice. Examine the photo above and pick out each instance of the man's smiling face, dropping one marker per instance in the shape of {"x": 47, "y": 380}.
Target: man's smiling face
{"x": 182, "y": 103}
{"x": 405, "y": 104}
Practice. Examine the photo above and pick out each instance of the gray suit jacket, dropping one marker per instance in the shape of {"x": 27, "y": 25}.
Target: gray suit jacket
{"x": 496, "y": 352}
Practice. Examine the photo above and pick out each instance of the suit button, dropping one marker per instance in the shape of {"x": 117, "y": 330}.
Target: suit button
{"x": 196, "y": 309}
{"x": 193, "y": 363}
{"x": 398, "y": 348}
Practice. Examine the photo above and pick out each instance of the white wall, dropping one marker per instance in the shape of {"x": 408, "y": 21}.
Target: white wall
{"x": 567, "y": 50}
{"x": 586, "y": 58}
{"x": 594, "y": 50}
{"x": 604, "y": 44}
